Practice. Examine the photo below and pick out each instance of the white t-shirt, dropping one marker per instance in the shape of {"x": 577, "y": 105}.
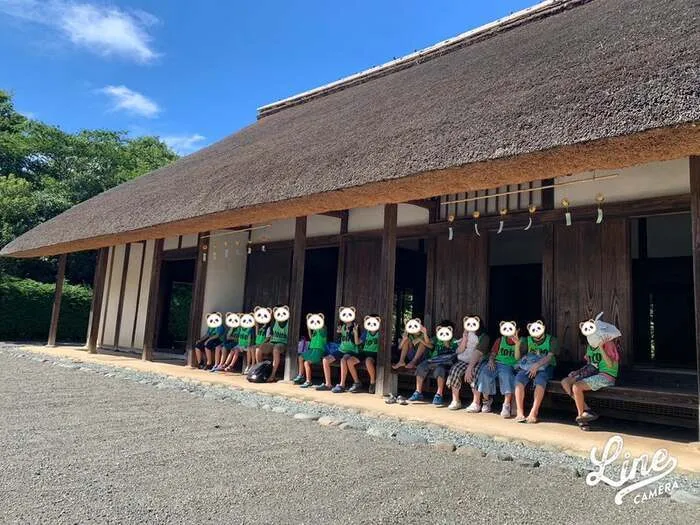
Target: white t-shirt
{"x": 472, "y": 342}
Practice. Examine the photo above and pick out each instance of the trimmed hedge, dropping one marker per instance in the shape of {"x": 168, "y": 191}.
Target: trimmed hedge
{"x": 25, "y": 310}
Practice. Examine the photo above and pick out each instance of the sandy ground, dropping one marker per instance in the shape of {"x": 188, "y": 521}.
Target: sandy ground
{"x": 81, "y": 447}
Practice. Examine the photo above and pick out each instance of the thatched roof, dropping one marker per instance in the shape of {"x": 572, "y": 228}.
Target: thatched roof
{"x": 597, "y": 84}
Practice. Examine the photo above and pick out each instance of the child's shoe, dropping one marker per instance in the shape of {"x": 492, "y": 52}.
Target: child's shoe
{"x": 372, "y": 388}
{"x": 337, "y": 389}
{"x": 306, "y": 384}
{"x": 474, "y": 408}
{"x": 505, "y": 411}
{"x": 417, "y": 396}
{"x": 456, "y": 404}
{"x": 323, "y": 387}
{"x": 438, "y": 401}
{"x": 486, "y": 406}
{"x": 299, "y": 379}
{"x": 355, "y": 388}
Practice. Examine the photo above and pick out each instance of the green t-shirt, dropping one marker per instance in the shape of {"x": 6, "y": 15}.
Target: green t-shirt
{"x": 370, "y": 342}
{"x": 245, "y": 337}
{"x": 542, "y": 348}
{"x": 442, "y": 347}
{"x": 595, "y": 356}
{"x": 260, "y": 334}
{"x": 347, "y": 339}
{"x": 319, "y": 338}
{"x": 279, "y": 333}
{"x": 506, "y": 353}
{"x": 232, "y": 334}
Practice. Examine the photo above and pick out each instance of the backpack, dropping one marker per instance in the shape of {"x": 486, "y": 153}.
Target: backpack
{"x": 260, "y": 373}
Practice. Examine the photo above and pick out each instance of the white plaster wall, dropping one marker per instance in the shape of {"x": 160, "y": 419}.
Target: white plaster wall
{"x": 655, "y": 179}
{"x": 365, "y": 219}
{"x": 112, "y": 298}
{"x": 143, "y": 299}
{"x": 171, "y": 243}
{"x": 189, "y": 241}
{"x": 225, "y": 282}
{"x": 130, "y": 295}
{"x": 316, "y": 226}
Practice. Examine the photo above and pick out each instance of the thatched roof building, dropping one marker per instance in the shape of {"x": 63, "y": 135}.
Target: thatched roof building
{"x": 570, "y": 86}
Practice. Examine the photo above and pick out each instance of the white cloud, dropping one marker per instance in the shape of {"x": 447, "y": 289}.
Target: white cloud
{"x": 131, "y": 101}
{"x": 184, "y": 144}
{"x": 98, "y": 28}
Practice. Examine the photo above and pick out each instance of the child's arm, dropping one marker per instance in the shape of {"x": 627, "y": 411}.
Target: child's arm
{"x": 606, "y": 354}
{"x": 356, "y": 335}
{"x": 426, "y": 340}
{"x": 553, "y": 349}
{"x": 518, "y": 344}
{"x": 462, "y": 343}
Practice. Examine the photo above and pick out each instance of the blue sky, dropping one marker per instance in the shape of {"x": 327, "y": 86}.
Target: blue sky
{"x": 195, "y": 71}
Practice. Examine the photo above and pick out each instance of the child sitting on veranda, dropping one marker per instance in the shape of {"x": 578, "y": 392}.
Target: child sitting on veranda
{"x": 439, "y": 361}
{"x": 414, "y": 343}
{"x": 233, "y": 324}
{"x": 472, "y": 348}
{"x": 502, "y": 361}
{"x": 536, "y": 366}
{"x": 369, "y": 348}
{"x": 318, "y": 339}
{"x": 210, "y": 341}
{"x": 601, "y": 369}
{"x": 348, "y": 331}
{"x": 246, "y": 342}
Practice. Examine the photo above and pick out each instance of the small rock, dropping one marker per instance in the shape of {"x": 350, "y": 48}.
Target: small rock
{"x": 445, "y": 446}
{"x": 683, "y": 496}
{"x": 471, "y": 452}
{"x": 348, "y": 426}
{"x": 502, "y": 439}
{"x": 279, "y": 410}
{"x": 266, "y": 407}
{"x": 528, "y": 463}
{"x": 303, "y": 416}
{"x": 406, "y": 438}
{"x": 499, "y": 456}
{"x": 328, "y": 421}
{"x": 379, "y": 432}
{"x": 549, "y": 448}
{"x": 161, "y": 385}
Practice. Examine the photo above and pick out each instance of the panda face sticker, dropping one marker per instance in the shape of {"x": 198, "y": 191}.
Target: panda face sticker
{"x": 536, "y": 329}
{"x": 587, "y": 327}
{"x": 508, "y": 328}
{"x": 372, "y": 323}
{"x": 281, "y": 313}
{"x": 444, "y": 333}
{"x": 346, "y": 314}
{"x": 471, "y": 324}
{"x": 247, "y": 321}
{"x": 413, "y": 326}
{"x": 315, "y": 321}
{"x": 233, "y": 320}
{"x": 215, "y": 320}
{"x": 262, "y": 315}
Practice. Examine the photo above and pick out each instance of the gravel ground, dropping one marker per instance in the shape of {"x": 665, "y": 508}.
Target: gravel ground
{"x": 91, "y": 443}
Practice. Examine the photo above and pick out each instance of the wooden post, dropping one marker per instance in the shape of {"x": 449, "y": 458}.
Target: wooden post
{"x": 695, "y": 220}
{"x": 200, "y": 277}
{"x": 548, "y": 296}
{"x": 58, "y": 294}
{"x": 429, "y": 310}
{"x": 149, "y": 342}
{"x": 385, "y": 379}
{"x": 296, "y": 292}
{"x": 340, "y": 275}
{"x": 98, "y": 289}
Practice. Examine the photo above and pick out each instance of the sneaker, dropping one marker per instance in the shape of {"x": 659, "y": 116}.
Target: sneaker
{"x": 438, "y": 401}
{"x": 355, "y": 388}
{"x": 298, "y": 380}
{"x": 323, "y": 387}
{"x": 417, "y": 396}
{"x": 215, "y": 369}
{"x": 486, "y": 406}
{"x": 505, "y": 411}
{"x": 474, "y": 408}
{"x": 456, "y": 404}
{"x": 306, "y": 384}
{"x": 372, "y": 388}
{"x": 337, "y": 389}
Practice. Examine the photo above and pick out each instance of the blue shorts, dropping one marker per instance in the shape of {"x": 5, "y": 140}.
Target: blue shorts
{"x": 333, "y": 350}
{"x": 543, "y": 375}
{"x": 486, "y": 382}
{"x": 231, "y": 345}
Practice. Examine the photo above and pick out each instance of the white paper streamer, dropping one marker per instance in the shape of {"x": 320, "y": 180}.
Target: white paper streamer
{"x": 451, "y": 233}
{"x": 500, "y": 227}
{"x": 567, "y": 215}
{"x": 529, "y": 223}
{"x": 476, "y": 229}
{"x": 600, "y": 216}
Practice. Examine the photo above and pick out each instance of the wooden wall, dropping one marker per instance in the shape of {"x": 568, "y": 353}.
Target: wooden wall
{"x": 591, "y": 273}
{"x": 267, "y": 278}
{"x": 362, "y": 274}
{"x": 461, "y": 278}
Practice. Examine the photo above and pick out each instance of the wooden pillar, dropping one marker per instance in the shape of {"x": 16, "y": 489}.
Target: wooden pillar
{"x": 385, "y": 379}
{"x": 296, "y": 292}
{"x": 548, "y": 296}
{"x": 340, "y": 275}
{"x": 695, "y": 220}
{"x": 429, "y": 310}
{"x": 58, "y": 294}
{"x": 200, "y": 277}
{"x": 98, "y": 289}
{"x": 149, "y": 336}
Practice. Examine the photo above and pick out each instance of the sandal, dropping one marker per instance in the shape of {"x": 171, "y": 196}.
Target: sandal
{"x": 402, "y": 400}
{"x": 520, "y": 419}
{"x": 390, "y": 400}
{"x": 587, "y": 417}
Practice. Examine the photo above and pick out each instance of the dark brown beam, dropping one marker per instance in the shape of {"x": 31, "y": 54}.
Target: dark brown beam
{"x": 120, "y": 300}
{"x": 149, "y": 334}
{"x": 98, "y": 289}
{"x": 695, "y": 221}
{"x": 57, "y": 295}
{"x": 296, "y": 292}
{"x": 200, "y": 277}
{"x": 387, "y": 279}
{"x": 340, "y": 275}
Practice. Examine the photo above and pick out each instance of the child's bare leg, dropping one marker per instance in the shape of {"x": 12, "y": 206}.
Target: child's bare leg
{"x": 327, "y": 369}
{"x": 276, "y": 359}
{"x": 405, "y": 346}
{"x": 233, "y": 358}
{"x": 455, "y": 393}
{"x": 539, "y": 396}
{"x": 441, "y": 386}
{"x": 210, "y": 358}
{"x": 351, "y": 365}
{"x": 198, "y": 356}
{"x": 417, "y": 358}
{"x": 259, "y": 354}
{"x": 578, "y": 389}
{"x": 507, "y": 398}
{"x": 419, "y": 384}
{"x": 224, "y": 355}
{"x": 308, "y": 371}
{"x": 300, "y": 365}
{"x": 371, "y": 370}
{"x": 520, "y": 400}
{"x": 566, "y": 384}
